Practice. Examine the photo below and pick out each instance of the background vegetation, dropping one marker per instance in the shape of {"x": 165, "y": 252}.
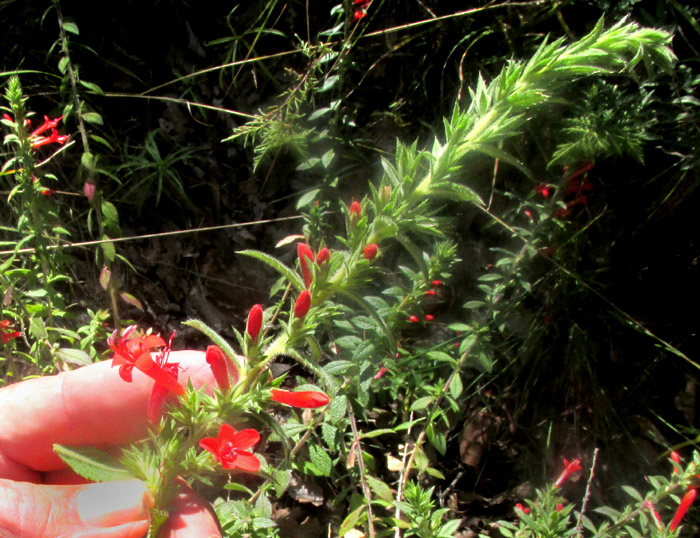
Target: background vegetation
{"x": 566, "y": 302}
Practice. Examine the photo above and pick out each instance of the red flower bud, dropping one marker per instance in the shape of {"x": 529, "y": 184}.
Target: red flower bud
{"x": 324, "y": 256}
{"x": 355, "y": 209}
{"x": 305, "y": 252}
{"x": 255, "y": 318}
{"x": 429, "y": 317}
{"x": 308, "y": 399}
{"x": 413, "y": 319}
{"x": 430, "y": 292}
{"x": 436, "y": 283}
{"x": 89, "y": 190}
{"x": 301, "y": 307}
{"x": 217, "y": 362}
{"x": 370, "y": 251}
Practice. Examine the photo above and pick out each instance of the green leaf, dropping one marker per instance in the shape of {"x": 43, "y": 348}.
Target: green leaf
{"x": 108, "y": 248}
{"x": 94, "y": 88}
{"x": 92, "y": 463}
{"x": 307, "y": 198}
{"x": 71, "y": 27}
{"x": 421, "y": 403}
{"x": 130, "y": 299}
{"x": 285, "y": 271}
{"x": 351, "y": 520}
{"x": 380, "y": 489}
{"x": 456, "y": 386}
{"x": 73, "y": 356}
{"x": 321, "y": 461}
{"x": 93, "y": 117}
{"x": 63, "y": 66}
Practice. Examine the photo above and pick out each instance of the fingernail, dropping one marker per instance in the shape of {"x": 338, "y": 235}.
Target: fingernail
{"x": 107, "y": 504}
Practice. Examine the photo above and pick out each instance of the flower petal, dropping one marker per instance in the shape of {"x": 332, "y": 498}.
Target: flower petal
{"x": 246, "y": 462}
{"x": 210, "y": 444}
{"x": 226, "y": 433}
{"x": 245, "y": 438}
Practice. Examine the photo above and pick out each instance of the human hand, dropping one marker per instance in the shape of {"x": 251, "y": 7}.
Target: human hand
{"x": 90, "y": 406}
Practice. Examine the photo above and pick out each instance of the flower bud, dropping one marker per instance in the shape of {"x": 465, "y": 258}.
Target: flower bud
{"x": 324, "y": 256}
{"x": 217, "y": 362}
{"x": 255, "y": 317}
{"x": 89, "y": 191}
{"x": 308, "y": 399}
{"x": 301, "y": 307}
{"x": 355, "y": 210}
{"x": 304, "y": 251}
{"x": 370, "y": 251}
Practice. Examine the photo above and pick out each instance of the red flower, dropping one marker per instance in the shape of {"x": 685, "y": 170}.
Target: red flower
{"x": 430, "y": 292}
{"x": 569, "y": 467}
{"x": 683, "y": 507}
{"x": 429, "y": 317}
{"x": 229, "y": 448}
{"x": 48, "y": 124}
{"x": 217, "y": 362}
{"x": 560, "y": 507}
{"x": 47, "y": 192}
{"x": 308, "y": 399}
{"x": 383, "y": 370}
{"x": 255, "y": 318}
{"x": 413, "y": 319}
{"x": 301, "y": 307}
{"x": 6, "y": 332}
{"x": 543, "y": 190}
{"x": 54, "y": 137}
{"x": 370, "y": 251}
{"x": 436, "y": 283}
{"x": 305, "y": 252}
{"x": 134, "y": 350}
{"x": 324, "y": 256}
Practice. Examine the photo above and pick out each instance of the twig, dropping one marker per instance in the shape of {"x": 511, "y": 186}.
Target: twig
{"x": 586, "y": 496}
{"x": 361, "y": 465}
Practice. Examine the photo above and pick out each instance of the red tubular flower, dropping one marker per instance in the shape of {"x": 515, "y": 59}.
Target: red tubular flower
{"x": 54, "y": 137}
{"x": 383, "y": 370}
{"x": 48, "y": 124}
{"x": 355, "y": 207}
{"x": 683, "y": 507}
{"x": 370, "y": 251}
{"x": 305, "y": 252}
{"x": 229, "y": 448}
{"x": 134, "y": 351}
{"x": 6, "y": 331}
{"x": 436, "y": 283}
{"x": 217, "y": 362}
{"x": 301, "y": 307}
{"x": 323, "y": 256}
{"x": 308, "y": 399}
{"x": 569, "y": 468}
{"x": 255, "y": 318}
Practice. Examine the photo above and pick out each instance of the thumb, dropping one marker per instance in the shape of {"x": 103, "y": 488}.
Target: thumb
{"x": 105, "y": 510}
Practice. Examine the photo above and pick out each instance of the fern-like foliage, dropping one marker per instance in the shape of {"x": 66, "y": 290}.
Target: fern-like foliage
{"x": 499, "y": 109}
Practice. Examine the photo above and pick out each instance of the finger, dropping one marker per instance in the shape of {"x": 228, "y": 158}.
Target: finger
{"x": 191, "y": 517}
{"x": 105, "y": 510}
{"x": 88, "y": 406}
